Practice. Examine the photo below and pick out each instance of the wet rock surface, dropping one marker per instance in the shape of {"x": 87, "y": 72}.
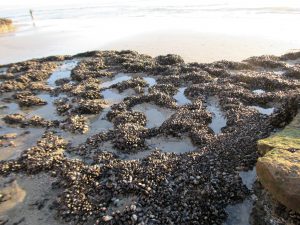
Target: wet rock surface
{"x": 268, "y": 211}
{"x": 6, "y": 25}
{"x": 27, "y": 99}
{"x": 191, "y": 184}
{"x": 135, "y": 83}
{"x": 279, "y": 168}
{"x": 75, "y": 124}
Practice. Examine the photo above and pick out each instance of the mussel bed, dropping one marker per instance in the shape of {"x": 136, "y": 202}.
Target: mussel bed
{"x": 190, "y": 185}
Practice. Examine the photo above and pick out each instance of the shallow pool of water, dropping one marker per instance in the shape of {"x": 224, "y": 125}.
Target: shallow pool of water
{"x": 279, "y": 72}
{"x": 259, "y": 91}
{"x": 265, "y": 111}
{"x": 112, "y": 96}
{"x": 293, "y": 62}
{"x": 117, "y": 79}
{"x": 97, "y": 124}
{"x": 248, "y": 177}
{"x": 133, "y": 156}
{"x": 239, "y": 214}
{"x": 108, "y": 147}
{"x": 171, "y": 144}
{"x": 47, "y": 111}
{"x": 9, "y": 108}
{"x": 165, "y": 144}
{"x": 26, "y": 138}
{"x": 180, "y": 97}
{"x": 151, "y": 81}
{"x": 218, "y": 117}
{"x": 155, "y": 115}
{"x": 63, "y": 71}
{"x": 3, "y": 71}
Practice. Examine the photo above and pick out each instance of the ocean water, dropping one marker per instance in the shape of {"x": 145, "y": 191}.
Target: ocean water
{"x": 71, "y": 26}
{"x": 51, "y": 13}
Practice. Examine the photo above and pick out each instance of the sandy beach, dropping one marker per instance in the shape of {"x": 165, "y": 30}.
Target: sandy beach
{"x": 194, "y": 47}
{"x": 197, "y": 31}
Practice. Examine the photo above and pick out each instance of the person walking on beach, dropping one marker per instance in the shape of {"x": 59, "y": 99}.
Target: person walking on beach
{"x": 32, "y": 18}
{"x": 31, "y": 14}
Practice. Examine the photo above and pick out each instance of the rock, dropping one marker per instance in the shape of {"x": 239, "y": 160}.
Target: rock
{"x": 14, "y": 118}
{"x": 288, "y": 138}
{"x": 293, "y": 72}
{"x": 35, "y": 121}
{"x": 76, "y": 124}
{"x": 107, "y": 218}
{"x": 89, "y": 69}
{"x": 90, "y": 106}
{"x": 290, "y": 56}
{"x": 133, "y": 207}
{"x": 26, "y": 98}
{"x": 129, "y": 137}
{"x": 4, "y": 220}
{"x": 279, "y": 169}
{"x": 169, "y": 59}
{"x": 62, "y": 81}
{"x": 136, "y": 82}
{"x": 134, "y": 217}
{"x": 62, "y": 105}
{"x": 267, "y": 61}
{"x": 267, "y": 211}
{"x": 130, "y": 117}
{"x": 279, "y": 173}
{"x": 3, "y": 106}
{"x": 31, "y": 101}
{"x": 5, "y": 143}
{"x": 6, "y": 25}
{"x": 8, "y": 136}
{"x": 165, "y": 88}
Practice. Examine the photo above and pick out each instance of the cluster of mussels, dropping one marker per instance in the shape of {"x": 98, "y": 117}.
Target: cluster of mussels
{"x": 98, "y": 186}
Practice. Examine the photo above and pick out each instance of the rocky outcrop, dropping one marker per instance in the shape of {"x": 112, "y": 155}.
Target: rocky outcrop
{"x": 288, "y": 138}
{"x": 279, "y": 169}
{"x": 268, "y": 211}
{"x": 6, "y": 25}
{"x": 116, "y": 169}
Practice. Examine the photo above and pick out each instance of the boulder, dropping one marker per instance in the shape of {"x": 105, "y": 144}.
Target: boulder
{"x": 279, "y": 169}
{"x": 279, "y": 173}
{"x": 288, "y": 138}
{"x": 6, "y": 25}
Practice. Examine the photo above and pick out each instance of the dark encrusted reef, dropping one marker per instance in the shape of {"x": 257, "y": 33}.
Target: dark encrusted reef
{"x": 85, "y": 133}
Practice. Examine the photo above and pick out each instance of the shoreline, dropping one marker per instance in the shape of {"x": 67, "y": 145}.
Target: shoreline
{"x": 204, "y": 47}
{"x": 193, "y": 46}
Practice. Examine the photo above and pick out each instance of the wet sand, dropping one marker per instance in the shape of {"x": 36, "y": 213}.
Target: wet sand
{"x": 28, "y": 200}
{"x": 192, "y": 46}
{"x": 204, "y": 47}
